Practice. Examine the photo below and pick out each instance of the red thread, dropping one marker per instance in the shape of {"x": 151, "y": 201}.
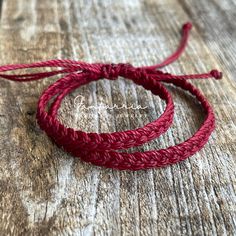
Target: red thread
{"x": 100, "y": 149}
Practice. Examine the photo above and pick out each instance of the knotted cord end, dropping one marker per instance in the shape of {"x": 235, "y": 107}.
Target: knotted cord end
{"x": 187, "y": 26}
{"x": 216, "y": 74}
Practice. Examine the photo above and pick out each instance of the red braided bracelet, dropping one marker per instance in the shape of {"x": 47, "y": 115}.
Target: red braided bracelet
{"x": 99, "y": 149}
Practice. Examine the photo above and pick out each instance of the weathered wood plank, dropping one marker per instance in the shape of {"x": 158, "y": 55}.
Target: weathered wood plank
{"x": 45, "y": 191}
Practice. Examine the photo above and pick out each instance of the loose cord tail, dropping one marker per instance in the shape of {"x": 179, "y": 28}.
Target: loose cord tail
{"x": 212, "y": 74}
{"x": 186, "y": 28}
{"x": 70, "y": 66}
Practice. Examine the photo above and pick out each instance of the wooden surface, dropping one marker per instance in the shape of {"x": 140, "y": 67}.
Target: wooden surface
{"x": 45, "y": 191}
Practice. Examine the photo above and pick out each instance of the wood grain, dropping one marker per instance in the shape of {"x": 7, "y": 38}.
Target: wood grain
{"x": 45, "y": 191}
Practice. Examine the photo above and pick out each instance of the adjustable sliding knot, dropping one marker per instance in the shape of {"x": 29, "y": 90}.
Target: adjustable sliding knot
{"x": 113, "y": 71}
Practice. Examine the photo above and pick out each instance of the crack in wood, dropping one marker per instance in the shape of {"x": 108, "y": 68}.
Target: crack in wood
{"x": 1, "y": 2}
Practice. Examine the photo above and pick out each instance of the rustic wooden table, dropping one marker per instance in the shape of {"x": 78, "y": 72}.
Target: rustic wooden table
{"x": 45, "y": 191}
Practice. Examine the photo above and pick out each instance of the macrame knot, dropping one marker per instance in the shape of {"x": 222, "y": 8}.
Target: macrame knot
{"x": 140, "y": 73}
{"x": 112, "y": 71}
